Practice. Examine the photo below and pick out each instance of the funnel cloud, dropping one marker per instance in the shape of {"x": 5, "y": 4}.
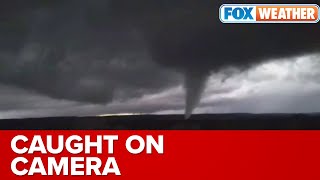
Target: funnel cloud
{"x": 194, "y": 86}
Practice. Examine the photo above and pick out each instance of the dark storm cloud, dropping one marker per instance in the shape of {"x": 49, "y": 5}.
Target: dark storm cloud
{"x": 189, "y": 35}
{"x": 93, "y": 51}
{"x": 74, "y": 50}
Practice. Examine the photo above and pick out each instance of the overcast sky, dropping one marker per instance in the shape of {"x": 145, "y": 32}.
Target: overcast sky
{"x": 289, "y": 86}
{"x": 80, "y": 57}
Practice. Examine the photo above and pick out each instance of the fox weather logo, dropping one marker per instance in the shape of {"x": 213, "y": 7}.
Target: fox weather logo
{"x": 269, "y": 13}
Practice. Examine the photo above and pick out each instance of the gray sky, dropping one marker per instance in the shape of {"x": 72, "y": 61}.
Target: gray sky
{"x": 95, "y": 57}
{"x": 279, "y": 86}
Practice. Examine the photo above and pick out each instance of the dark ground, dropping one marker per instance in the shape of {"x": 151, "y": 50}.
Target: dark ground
{"x": 172, "y": 122}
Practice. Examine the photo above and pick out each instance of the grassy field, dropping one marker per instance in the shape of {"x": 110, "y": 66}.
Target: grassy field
{"x": 171, "y": 122}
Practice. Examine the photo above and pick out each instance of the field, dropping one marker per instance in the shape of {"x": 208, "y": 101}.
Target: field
{"x": 171, "y": 122}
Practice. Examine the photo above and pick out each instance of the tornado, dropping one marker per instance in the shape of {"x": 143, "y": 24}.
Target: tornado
{"x": 194, "y": 84}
